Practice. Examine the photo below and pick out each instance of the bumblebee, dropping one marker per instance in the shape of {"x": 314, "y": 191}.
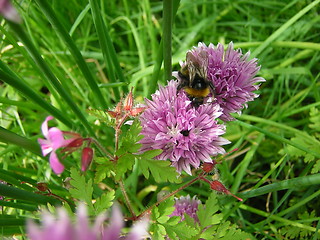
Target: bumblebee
{"x": 193, "y": 78}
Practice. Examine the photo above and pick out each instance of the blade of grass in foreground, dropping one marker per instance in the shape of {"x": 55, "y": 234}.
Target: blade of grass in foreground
{"x": 159, "y": 57}
{"x": 167, "y": 39}
{"x": 108, "y": 51}
{"x": 20, "y": 33}
{"x": 284, "y": 27}
{"x": 279, "y": 138}
{"x": 9, "y": 137}
{"x": 20, "y": 194}
{"x": 294, "y": 183}
{"x": 13, "y": 80}
{"x": 45, "y": 7}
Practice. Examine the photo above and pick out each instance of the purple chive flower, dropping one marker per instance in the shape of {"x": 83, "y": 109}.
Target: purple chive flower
{"x": 187, "y": 135}
{"x": 9, "y": 12}
{"x": 186, "y": 205}
{"x": 54, "y": 140}
{"x": 232, "y": 75}
{"x": 62, "y": 227}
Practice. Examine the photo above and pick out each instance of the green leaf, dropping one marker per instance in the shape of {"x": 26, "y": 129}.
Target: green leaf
{"x": 315, "y": 119}
{"x": 124, "y": 163}
{"x": 103, "y": 171}
{"x": 206, "y": 213}
{"x": 104, "y": 202}
{"x": 158, "y": 231}
{"x": 180, "y": 230}
{"x": 128, "y": 142}
{"x": 162, "y": 171}
{"x": 165, "y": 209}
{"x": 82, "y": 189}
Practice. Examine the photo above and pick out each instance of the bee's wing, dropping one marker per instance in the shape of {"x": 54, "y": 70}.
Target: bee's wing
{"x": 191, "y": 61}
{"x": 203, "y": 64}
{"x": 197, "y": 63}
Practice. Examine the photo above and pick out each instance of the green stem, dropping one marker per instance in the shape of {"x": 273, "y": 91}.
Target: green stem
{"x": 127, "y": 200}
{"x": 98, "y": 144}
{"x": 148, "y": 210}
{"x": 167, "y": 39}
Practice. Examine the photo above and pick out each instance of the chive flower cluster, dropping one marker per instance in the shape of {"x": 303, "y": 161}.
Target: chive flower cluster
{"x": 189, "y": 135}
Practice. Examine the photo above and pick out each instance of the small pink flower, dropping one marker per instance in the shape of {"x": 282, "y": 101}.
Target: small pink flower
{"x": 186, "y": 205}
{"x": 53, "y": 141}
{"x": 61, "y": 227}
{"x": 9, "y": 12}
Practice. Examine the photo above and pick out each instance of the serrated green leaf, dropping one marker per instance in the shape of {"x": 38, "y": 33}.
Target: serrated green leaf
{"x": 124, "y": 163}
{"x": 102, "y": 116}
{"x": 189, "y": 220}
{"x": 155, "y": 214}
{"x": 101, "y": 160}
{"x": 174, "y": 220}
{"x": 162, "y": 171}
{"x": 167, "y": 207}
{"x": 180, "y": 230}
{"x": 315, "y": 119}
{"x": 104, "y": 202}
{"x": 206, "y": 212}
{"x": 82, "y": 189}
{"x": 316, "y": 167}
{"x": 103, "y": 171}
{"x": 128, "y": 142}
{"x": 158, "y": 231}
{"x": 216, "y": 218}
{"x": 222, "y": 229}
{"x": 208, "y": 233}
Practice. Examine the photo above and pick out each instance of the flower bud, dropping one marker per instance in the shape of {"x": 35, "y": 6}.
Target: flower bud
{"x": 86, "y": 158}
{"x": 208, "y": 167}
{"x": 128, "y": 102}
{"x": 75, "y": 143}
{"x": 218, "y": 186}
{"x": 136, "y": 111}
{"x": 42, "y": 187}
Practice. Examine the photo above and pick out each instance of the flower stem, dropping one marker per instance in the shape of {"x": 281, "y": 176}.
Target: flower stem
{"x": 127, "y": 200}
{"x": 109, "y": 155}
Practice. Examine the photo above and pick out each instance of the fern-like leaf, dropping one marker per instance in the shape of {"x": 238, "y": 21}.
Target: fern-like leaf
{"x": 162, "y": 171}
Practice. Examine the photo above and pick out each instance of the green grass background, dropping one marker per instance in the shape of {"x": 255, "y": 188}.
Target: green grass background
{"x": 94, "y": 52}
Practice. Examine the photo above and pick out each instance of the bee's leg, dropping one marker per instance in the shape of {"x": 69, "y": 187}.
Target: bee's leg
{"x": 183, "y": 81}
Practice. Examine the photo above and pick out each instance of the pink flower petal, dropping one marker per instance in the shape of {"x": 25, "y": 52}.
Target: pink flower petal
{"x": 55, "y": 164}
{"x": 45, "y": 145}
{"x": 55, "y": 136}
{"x": 44, "y": 126}
{"x": 114, "y": 229}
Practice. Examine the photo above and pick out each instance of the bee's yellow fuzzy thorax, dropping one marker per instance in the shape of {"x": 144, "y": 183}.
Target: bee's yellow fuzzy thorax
{"x": 202, "y": 93}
